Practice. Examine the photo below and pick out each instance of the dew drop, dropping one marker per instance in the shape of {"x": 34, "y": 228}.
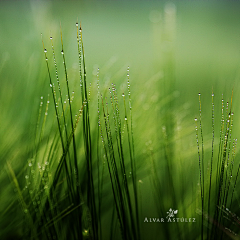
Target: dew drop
{"x": 50, "y": 85}
{"x": 195, "y": 119}
{"x": 30, "y": 164}
{"x": 50, "y": 38}
{"x": 45, "y": 50}
{"x": 62, "y": 52}
{"x": 125, "y": 119}
{"x": 26, "y": 176}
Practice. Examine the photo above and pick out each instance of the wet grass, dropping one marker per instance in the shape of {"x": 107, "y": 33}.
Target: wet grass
{"x": 87, "y": 171}
{"x": 218, "y": 174}
{"x": 70, "y": 163}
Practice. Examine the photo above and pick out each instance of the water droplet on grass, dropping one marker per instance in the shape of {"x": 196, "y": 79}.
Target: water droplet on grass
{"x": 50, "y": 38}
{"x": 26, "y": 176}
{"x": 45, "y": 50}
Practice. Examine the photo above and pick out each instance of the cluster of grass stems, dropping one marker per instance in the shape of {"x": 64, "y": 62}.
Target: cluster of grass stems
{"x": 218, "y": 177}
{"x": 64, "y": 195}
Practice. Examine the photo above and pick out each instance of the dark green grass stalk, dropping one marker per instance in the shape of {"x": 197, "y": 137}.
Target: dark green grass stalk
{"x": 78, "y": 190}
{"x": 200, "y": 175}
{"x": 100, "y": 182}
{"x": 133, "y": 175}
{"x": 132, "y": 156}
{"x": 87, "y": 133}
{"x": 211, "y": 167}
{"x": 59, "y": 89}
{"x": 71, "y": 119}
{"x": 201, "y": 163}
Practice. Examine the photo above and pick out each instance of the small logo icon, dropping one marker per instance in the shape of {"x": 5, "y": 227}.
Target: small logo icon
{"x": 171, "y": 213}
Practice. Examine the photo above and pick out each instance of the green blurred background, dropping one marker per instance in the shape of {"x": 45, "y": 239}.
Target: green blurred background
{"x": 199, "y": 39}
{"x": 117, "y": 35}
